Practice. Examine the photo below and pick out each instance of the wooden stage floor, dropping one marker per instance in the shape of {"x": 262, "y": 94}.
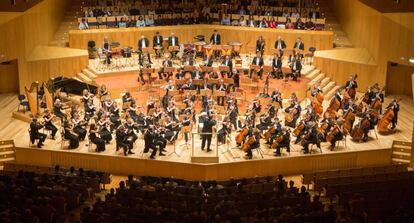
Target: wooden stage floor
{"x": 17, "y": 130}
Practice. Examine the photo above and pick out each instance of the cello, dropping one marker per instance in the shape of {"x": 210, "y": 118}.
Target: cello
{"x": 240, "y": 137}
{"x": 349, "y": 119}
{"x": 360, "y": 129}
{"x": 250, "y": 141}
{"x": 277, "y": 141}
{"x": 269, "y": 133}
{"x": 299, "y": 129}
{"x": 351, "y": 91}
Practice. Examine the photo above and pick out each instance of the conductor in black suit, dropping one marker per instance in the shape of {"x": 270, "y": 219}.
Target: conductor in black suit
{"x": 207, "y": 131}
{"x": 280, "y": 45}
{"x": 173, "y": 41}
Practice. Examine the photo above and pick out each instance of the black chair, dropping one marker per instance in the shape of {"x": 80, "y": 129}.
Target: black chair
{"x": 23, "y": 103}
{"x": 310, "y": 55}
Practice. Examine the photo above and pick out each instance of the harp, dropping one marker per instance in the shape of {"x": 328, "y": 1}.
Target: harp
{"x": 48, "y": 99}
{"x": 32, "y": 97}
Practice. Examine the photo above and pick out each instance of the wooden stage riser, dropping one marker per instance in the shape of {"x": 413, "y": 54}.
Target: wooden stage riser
{"x": 322, "y": 40}
{"x": 144, "y": 167}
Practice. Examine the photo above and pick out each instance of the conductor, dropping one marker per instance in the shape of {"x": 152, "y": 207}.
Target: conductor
{"x": 207, "y": 131}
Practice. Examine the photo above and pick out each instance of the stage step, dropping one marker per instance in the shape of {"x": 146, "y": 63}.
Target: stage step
{"x": 83, "y": 77}
{"x": 401, "y": 152}
{"x": 399, "y": 161}
{"x": 313, "y": 74}
{"x": 328, "y": 87}
{"x": 89, "y": 72}
{"x": 307, "y": 70}
{"x": 325, "y": 81}
{"x": 331, "y": 92}
{"x": 401, "y": 155}
{"x": 316, "y": 79}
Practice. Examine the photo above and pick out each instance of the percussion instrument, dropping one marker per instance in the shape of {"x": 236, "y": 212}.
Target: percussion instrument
{"x": 236, "y": 47}
{"x": 226, "y": 50}
{"x": 208, "y": 50}
{"x": 188, "y": 49}
{"x": 199, "y": 46}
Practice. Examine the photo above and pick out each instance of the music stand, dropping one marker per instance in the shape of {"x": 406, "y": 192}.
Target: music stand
{"x": 189, "y": 68}
{"x": 206, "y": 69}
{"x": 174, "y": 50}
{"x": 147, "y": 50}
{"x": 205, "y": 92}
{"x": 224, "y": 69}
{"x": 213, "y": 81}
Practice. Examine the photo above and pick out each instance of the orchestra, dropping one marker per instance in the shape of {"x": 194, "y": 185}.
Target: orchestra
{"x": 161, "y": 122}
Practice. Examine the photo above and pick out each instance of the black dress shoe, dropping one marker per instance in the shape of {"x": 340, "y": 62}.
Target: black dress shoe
{"x": 208, "y": 150}
{"x": 161, "y": 154}
{"x": 130, "y": 152}
{"x": 152, "y": 157}
{"x": 39, "y": 145}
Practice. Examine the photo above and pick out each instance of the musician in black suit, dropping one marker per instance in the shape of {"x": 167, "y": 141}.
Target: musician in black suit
{"x": 298, "y": 47}
{"x": 215, "y": 38}
{"x": 260, "y": 45}
{"x": 157, "y": 41}
{"x": 130, "y": 128}
{"x": 207, "y": 132}
{"x": 258, "y": 61}
{"x": 396, "y": 108}
{"x": 35, "y": 126}
{"x": 173, "y": 41}
{"x": 296, "y": 67}
{"x": 277, "y": 66}
{"x": 280, "y": 45}
{"x": 227, "y": 62}
{"x": 165, "y": 63}
{"x": 284, "y": 143}
{"x": 312, "y": 137}
{"x": 142, "y": 44}
{"x": 122, "y": 140}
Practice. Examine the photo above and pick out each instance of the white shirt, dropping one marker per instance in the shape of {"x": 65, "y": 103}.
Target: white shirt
{"x": 173, "y": 41}
{"x": 83, "y": 25}
{"x": 143, "y": 45}
{"x": 279, "y": 44}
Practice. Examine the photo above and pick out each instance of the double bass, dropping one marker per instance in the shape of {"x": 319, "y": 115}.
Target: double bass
{"x": 351, "y": 91}
{"x": 385, "y": 121}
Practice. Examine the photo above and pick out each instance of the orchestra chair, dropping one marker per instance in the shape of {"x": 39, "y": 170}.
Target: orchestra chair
{"x": 343, "y": 142}
{"x": 90, "y": 145}
{"x": 63, "y": 141}
{"x": 23, "y": 103}
{"x": 48, "y": 132}
{"x": 309, "y": 56}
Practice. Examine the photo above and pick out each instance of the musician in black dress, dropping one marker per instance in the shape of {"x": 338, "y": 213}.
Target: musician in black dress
{"x": 207, "y": 131}
{"x": 35, "y": 126}
{"x": 57, "y": 110}
{"x": 79, "y": 126}
{"x": 89, "y": 110}
{"x": 70, "y": 135}
{"x": 95, "y": 139}
{"x": 105, "y": 129}
{"x": 48, "y": 123}
{"x": 224, "y": 132}
{"x": 236, "y": 80}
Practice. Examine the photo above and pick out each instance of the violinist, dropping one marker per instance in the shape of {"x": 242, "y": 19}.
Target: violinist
{"x": 351, "y": 85}
{"x": 277, "y": 66}
{"x": 284, "y": 143}
{"x": 396, "y": 108}
{"x": 79, "y": 126}
{"x": 95, "y": 139}
{"x": 115, "y": 117}
{"x": 236, "y": 80}
{"x": 104, "y": 129}
{"x": 70, "y": 135}
{"x": 103, "y": 91}
{"x": 185, "y": 124}
{"x": 228, "y": 63}
{"x": 35, "y": 126}
{"x": 130, "y": 128}
{"x": 107, "y": 104}
{"x": 232, "y": 114}
{"x": 58, "y": 110}
{"x": 172, "y": 129}
{"x": 89, "y": 110}
{"x": 48, "y": 123}
{"x": 86, "y": 96}
{"x": 126, "y": 100}
{"x": 258, "y": 61}
{"x": 123, "y": 140}
{"x": 265, "y": 122}
{"x": 150, "y": 142}
{"x": 311, "y": 137}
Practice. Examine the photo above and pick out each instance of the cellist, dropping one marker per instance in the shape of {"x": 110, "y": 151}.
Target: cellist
{"x": 336, "y": 133}
{"x": 285, "y": 143}
{"x": 351, "y": 85}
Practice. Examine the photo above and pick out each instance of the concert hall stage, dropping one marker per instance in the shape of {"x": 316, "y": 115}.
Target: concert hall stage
{"x": 231, "y": 160}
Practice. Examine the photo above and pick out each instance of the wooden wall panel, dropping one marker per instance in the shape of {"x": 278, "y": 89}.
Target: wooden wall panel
{"x": 339, "y": 71}
{"x": 239, "y": 169}
{"x": 399, "y": 79}
{"x": 322, "y": 40}
{"x": 9, "y": 77}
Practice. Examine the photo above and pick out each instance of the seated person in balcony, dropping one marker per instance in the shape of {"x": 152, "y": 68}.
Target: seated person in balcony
{"x": 140, "y": 22}
{"x": 299, "y": 24}
{"x": 286, "y": 13}
{"x": 295, "y": 14}
{"x": 226, "y": 20}
{"x": 122, "y": 23}
{"x": 83, "y": 25}
{"x": 272, "y": 23}
{"x": 187, "y": 20}
{"x": 309, "y": 25}
{"x": 251, "y": 22}
{"x": 263, "y": 23}
{"x": 242, "y": 21}
{"x": 149, "y": 21}
{"x": 289, "y": 24}
{"x": 315, "y": 14}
